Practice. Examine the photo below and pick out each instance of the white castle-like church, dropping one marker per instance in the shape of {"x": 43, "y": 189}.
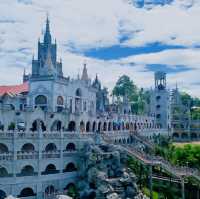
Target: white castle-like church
{"x": 46, "y": 121}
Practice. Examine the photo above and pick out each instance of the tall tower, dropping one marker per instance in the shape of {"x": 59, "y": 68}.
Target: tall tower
{"x": 160, "y": 80}
{"x": 160, "y": 101}
{"x": 46, "y": 64}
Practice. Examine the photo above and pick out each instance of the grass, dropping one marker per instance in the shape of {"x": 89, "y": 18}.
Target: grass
{"x": 146, "y": 191}
{"x": 182, "y": 144}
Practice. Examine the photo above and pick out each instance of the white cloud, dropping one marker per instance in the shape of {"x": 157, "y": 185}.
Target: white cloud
{"x": 94, "y": 23}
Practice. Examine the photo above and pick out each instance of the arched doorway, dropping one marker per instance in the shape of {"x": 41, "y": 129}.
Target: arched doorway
{"x": 94, "y": 127}
{"x": 50, "y": 169}
{"x": 70, "y": 147}
{"x": 175, "y": 135}
{"x": 193, "y": 136}
{"x": 27, "y": 171}
{"x": 27, "y": 192}
{"x": 99, "y": 127}
{"x": 3, "y": 148}
{"x": 82, "y": 126}
{"x": 104, "y": 126}
{"x": 70, "y": 167}
{"x": 88, "y": 127}
{"x": 38, "y": 124}
{"x": 2, "y": 194}
{"x": 72, "y": 126}
{"x": 50, "y": 147}
{"x": 28, "y": 147}
{"x": 109, "y": 126}
{"x": 3, "y": 172}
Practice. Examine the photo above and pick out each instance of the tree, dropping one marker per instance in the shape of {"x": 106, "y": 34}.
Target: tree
{"x": 137, "y": 97}
{"x": 125, "y": 86}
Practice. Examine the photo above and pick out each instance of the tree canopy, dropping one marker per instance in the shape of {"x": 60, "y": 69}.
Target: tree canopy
{"x": 137, "y": 96}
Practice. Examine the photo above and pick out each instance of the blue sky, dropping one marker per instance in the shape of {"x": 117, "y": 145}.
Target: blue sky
{"x": 114, "y": 37}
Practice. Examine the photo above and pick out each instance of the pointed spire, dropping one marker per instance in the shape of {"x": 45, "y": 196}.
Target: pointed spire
{"x": 85, "y": 74}
{"x": 24, "y": 71}
{"x": 47, "y": 35}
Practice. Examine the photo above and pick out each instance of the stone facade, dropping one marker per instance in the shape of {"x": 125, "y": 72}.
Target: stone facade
{"x": 46, "y": 122}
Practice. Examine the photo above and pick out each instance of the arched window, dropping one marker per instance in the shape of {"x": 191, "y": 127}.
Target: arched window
{"x": 78, "y": 92}
{"x": 50, "y": 169}
{"x": 88, "y": 127}
{"x": 28, "y": 147}
{"x": 56, "y": 126}
{"x": 72, "y": 126}
{"x": 2, "y": 194}
{"x": 99, "y": 127}
{"x": 3, "y": 148}
{"x": 105, "y": 126}
{"x": 38, "y": 124}
{"x": 70, "y": 167}
{"x": 70, "y": 147}
{"x": 3, "y": 172}
{"x": 109, "y": 126}
{"x": 60, "y": 101}
{"x": 82, "y": 126}
{"x": 27, "y": 171}
{"x": 41, "y": 101}
{"x": 27, "y": 192}
{"x": 50, "y": 147}
{"x": 94, "y": 127}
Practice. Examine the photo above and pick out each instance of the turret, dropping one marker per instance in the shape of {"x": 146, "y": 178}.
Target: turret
{"x": 160, "y": 80}
{"x": 47, "y": 35}
{"x": 85, "y": 74}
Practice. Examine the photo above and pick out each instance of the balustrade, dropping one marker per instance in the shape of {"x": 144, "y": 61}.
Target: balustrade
{"x": 6, "y": 156}
{"x": 51, "y": 154}
{"x": 27, "y": 155}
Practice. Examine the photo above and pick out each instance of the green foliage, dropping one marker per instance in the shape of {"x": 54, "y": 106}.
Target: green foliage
{"x": 195, "y": 114}
{"x": 186, "y": 99}
{"x": 138, "y": 97}
{"x": 11, "y": 126}
{"x": 146, "y": 191}
{"x": 125, "y": 86}
{"x": 72, "y": 192}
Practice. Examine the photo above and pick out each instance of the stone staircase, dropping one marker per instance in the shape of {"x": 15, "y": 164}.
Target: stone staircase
{"x": 179, "y": 172}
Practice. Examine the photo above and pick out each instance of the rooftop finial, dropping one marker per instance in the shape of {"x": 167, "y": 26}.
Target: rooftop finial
{"x": 84, "y": 74}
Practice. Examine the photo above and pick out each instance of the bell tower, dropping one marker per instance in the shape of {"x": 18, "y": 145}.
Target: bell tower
{"x": 46, "y": 63}
{"x": 160, "y": 80}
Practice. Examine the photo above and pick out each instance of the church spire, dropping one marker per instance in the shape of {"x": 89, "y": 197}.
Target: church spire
{"x": 85, "y": 74}
{"x": 47, "y": 35}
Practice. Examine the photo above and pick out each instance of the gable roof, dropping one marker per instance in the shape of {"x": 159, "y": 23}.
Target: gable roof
{"x": 14, "y": 89}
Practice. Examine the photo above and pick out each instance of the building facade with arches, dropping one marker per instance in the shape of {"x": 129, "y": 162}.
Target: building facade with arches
{"x": 46, "y": 122}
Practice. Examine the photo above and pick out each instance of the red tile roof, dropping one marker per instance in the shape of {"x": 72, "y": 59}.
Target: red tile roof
{"x": 14, "y": 89}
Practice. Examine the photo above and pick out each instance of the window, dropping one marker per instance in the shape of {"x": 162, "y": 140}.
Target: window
{"x": 78, "y": 92}
{"x": 60, "y": 101}
{"x": 41, "y": 101}
{"x": 85, "y": 106}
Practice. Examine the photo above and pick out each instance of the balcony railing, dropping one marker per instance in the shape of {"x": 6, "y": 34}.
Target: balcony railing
{"x": 26, "y": 174}
{"x": 51, "y": 154}
{"x": 27, "y": 155}
{"x": 6, "y": 156}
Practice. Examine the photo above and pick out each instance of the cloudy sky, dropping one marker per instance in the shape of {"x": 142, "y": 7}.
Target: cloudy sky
{"x": 115, "y": 37}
